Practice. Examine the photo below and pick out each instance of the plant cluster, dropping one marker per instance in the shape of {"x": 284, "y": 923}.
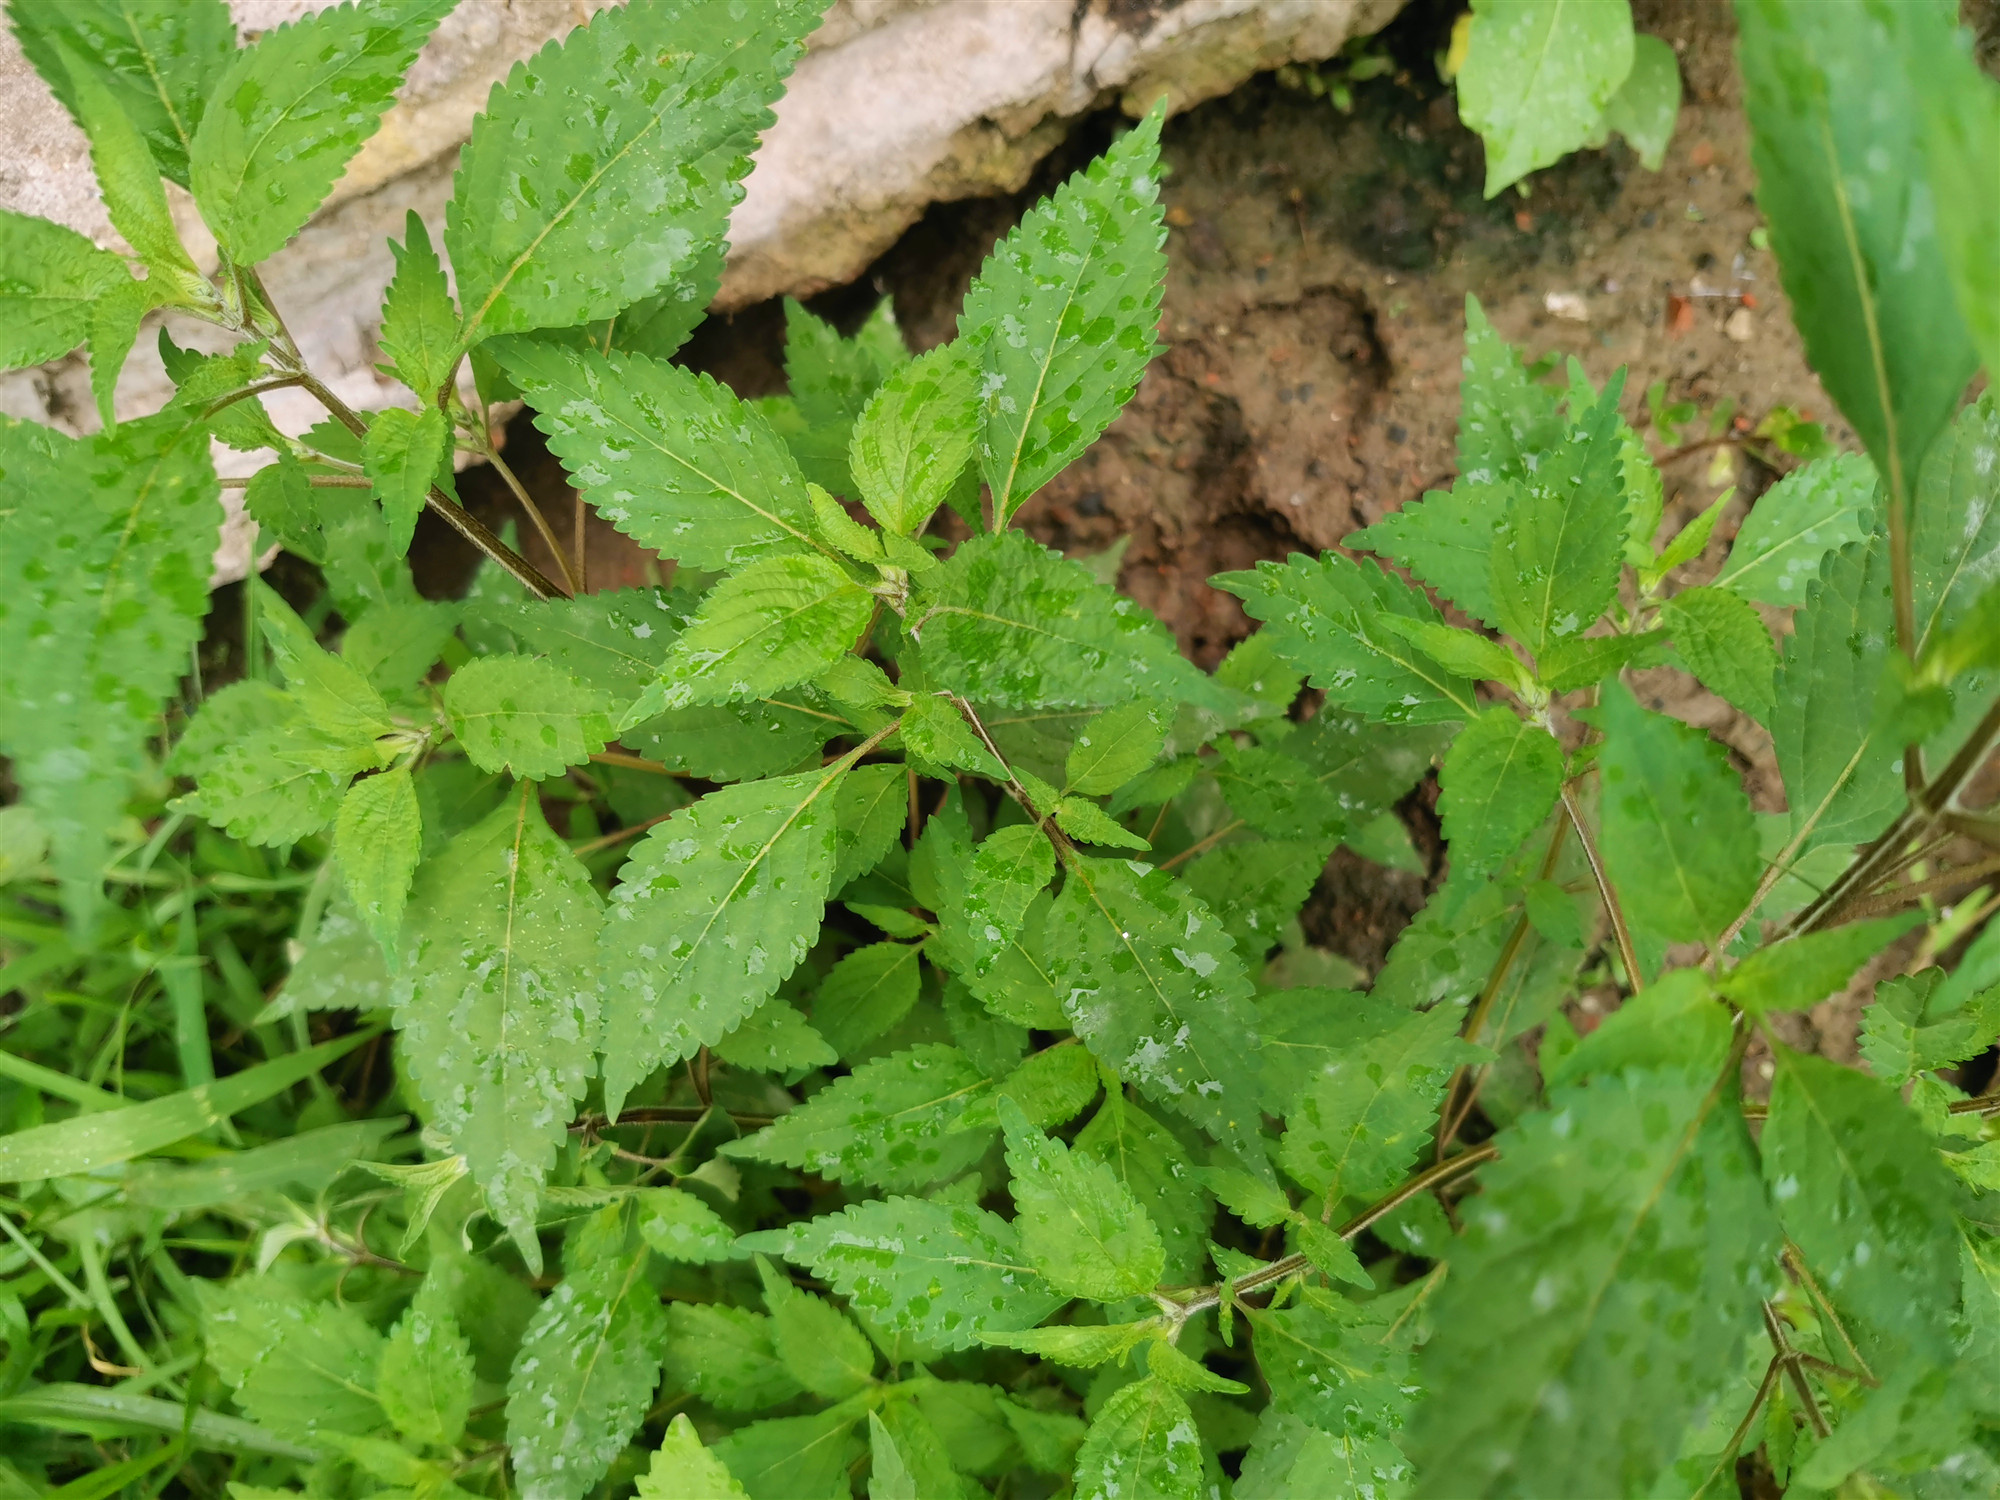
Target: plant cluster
{"x": 841, "y": 1024}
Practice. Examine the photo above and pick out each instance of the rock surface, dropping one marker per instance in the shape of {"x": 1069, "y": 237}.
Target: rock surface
{"x": 898, "y": 104}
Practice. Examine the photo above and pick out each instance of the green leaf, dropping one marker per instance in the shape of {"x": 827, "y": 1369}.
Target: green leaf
{"x": 1146, "y": 1156}
{"x": 1537, "y": 77}
{"x": 865, "y": 994}
{"x": 713, "y": 910}
{"x": 87, "y": 1408}
{"x": 1081, "y": 1346}
{"x": 497, "y": 1002}
{"x": 1688, "y": 543}
{"x": 1810, "y": 513}
{"x": 161, "y": 60}
{"x": 1837, "y": 136}
{"x": 1961, "y": 140}
{"x": 776, "y": 1039}
{"x": 1343, "y": 1369}
{"x": 88, "y": 1143}
{"x": 889, "y": 1478}
{"x": 404, "y": 452}
{"x": 934, "y": 732}
{"x": 1861, "y": 1192}
{"x": 796, "y": 1458}
{"x": 1114, "y": 747}
{"x": 584, "y": 1377}
{"x": 830, "y": 380}
{"x": 1087, "y": 823}
{"x": 129, "y": 178}
{"x": 338, "y": 699}
{"x": 1912, "y": 1026}
{"x": 816, "y": 1342}
{"x": 299, "y": 1369}
{"x": 1293, "y": 1461}
{"x": 90, "y": 649}
{"x": 426, "y": 1377}
{"x": 869, "y": 811}
{"x": 419, "y": 323}
{"x": 263, "y": 771}
{"x": 1278, "y": 794}
{"x": 891, "y": 1122}
{"x": 1062, "y": 317}
{"x": 1465, "y": 652}
{"x": 1256, "y": 889}
{"x": 1370, "y": 1107}
{"x": 1142, "y": 1446}
{"x": 1008, "y": 622}
{"x": 1322, "y": 613}
{"x": 1052, "y": 1087}
{"x": 1446, "y": 539}
{"x": 1151, "y": 982}
{"x": 1678, "y": 841}
{"x": 726, "y": 1357}
{"x": 524, "y": 715}
{"x": 680, "y": 1227}
{"x": 1582, "y": 661}
{"x": 915, "y": 437}
{"x": 1079, "y": 1224}
{"x": 54, "y": 277}
{"x": 1804, "y": 971}
{"x": 1501, "y": 777}
{"x": 1648, "y": 104}
{"x": 1724, "y": 644}
{"x": 1613, "y": 1266}
{"x": 777, "y": 623}
{"x": 203, "y": 380}
{"x": 1955, "y": 532}
{"x": 835, "y": 525}
{"x": 945, "y": 1273}
{"x": 377, "y": 838}
{"x": 1840, "y": 772}
{"x": 114, "y": 328}
{"x": 674, "y": 93}
{"x": 1009, "y": 869}
{"x": 684, "y": 1470}
{"x": 669, "y": 457}
{"x": 1560, "y": 547}
{"x": 288, "y": 116}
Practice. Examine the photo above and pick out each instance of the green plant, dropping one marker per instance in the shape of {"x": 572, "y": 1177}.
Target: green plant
{"x": 925, "y": 1082}
{"x": 1539, "y": 79}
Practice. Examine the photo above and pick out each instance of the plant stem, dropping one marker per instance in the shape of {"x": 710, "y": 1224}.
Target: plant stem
{"x": 1627, "y": 954}
{"x": 1202, "y": 846}
{"x": 634, "y": 763}
{"x": 534, "y": 511}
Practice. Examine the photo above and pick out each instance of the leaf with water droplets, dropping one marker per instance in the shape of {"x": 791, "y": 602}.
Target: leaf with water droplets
{"x": 303, "y": 1370}
{"x": 725, "y": 1356}
{"x": 714, "y": 909}
{"x": 893, "y": 1122}
{"x": 1725, "y": 645}
{"x": 1342, "y": 1368}
{"x": 1813, "y": 511}
{"x": 1149, "y": 979}
{"x": 943, "y": 1272}
{"x": 427, "y": 1374}
{"x": 54, "y": 277}
{"x": 605, "y": 166}
{"x": 779, "y": 622}
{"x": 1501, "y": 777}
{"x": 684, "y": 1470}
{"x": 1063, "y": 317}
{"x": 404, "y": 453}
{"x": 1612, "y": 1267}
{"x": 419, "y": 323}
{"x": 497, "y": 1002}
{"x": 866, "y": 993}
{"x": 377, "y": 837}
{"x": 1082, "y": 1227}
{"x": 915, "y": 437}
{"x": 1142, "y": 1446}
{"x": 524, "y": 715}
{"x": 584, "y": 1377}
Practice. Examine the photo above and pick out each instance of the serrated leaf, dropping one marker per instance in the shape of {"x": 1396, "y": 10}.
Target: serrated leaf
{"x": 713, "y": 910}
{"x": 1955, "y": 534}
{"x": 869, "y": 811}
{"x": 1648, "y": 103}
{"x": 419, "y": 323}
{"x": 816, "y": 1342}
{"x": 1367, "y": 1110}
{"x": 300, "y": 1369}
{"x": 1255, "y": 889}
{"x": 865, "y": 994}
{"x": 202, "y": 381}
{"x": 1150, "y": 980}
{"x": 889, "y": 1477}
{"x": 1678, "y": 841}
{"x": 915, "y": 437}
{"x": 427, "y": 1374}
{"x": 1614, "y": 1264}
{"x": 1465, "y": 652}
{"x": 725, "y": 1356}
{"x": 160, "y": 59}
{"x": 1725, "y": 645}
{"x": 935, "y": 732}
{"x": 891, "y": 1122}
{"x": 1164, "y": 1361}
{"x": 1088, "y": 823}
{"x": 277, "y": 779}
{"x": 734, "y": 741}
{"x": 678, "y": 1226}
{"x": 1291, "y": 1460}
{"x": 524, "y": 715}
{"x": 1560, "y": 546}
{"x": 1837, "y": 138}
{"x": 669, "y": 457}
{"x": 1081, "y": 1346}
{"x": 114, "y": 320}
{"x": 91, "y": 648}
{"x": 1278, "y": 794}
{"x": 1501, "y": 777}
{"x": 54, "y": 276}
{"x": 1114, "y": 747}
{"x": 337, "y": 699}
{"x": 684, "y": 1470}
{"x": 947, "y": 1274}
{"x": 779, "y": 622}
{"x": 775, "y": 1038}
{"x": 1051, "y": 1087}
{"x": 1961, "y": 152}
{"x": 291, "y": 111}
{"x": 584, "y": 1377}
{"x": 497, "y": 1002}
{"x": 1840, "y": 772}
{"x": 1582, "y": 661}
{"x": 1062, "y": 317}
{"x": 1812, "y": 512}
{"x": 1446, "y": 539}
{"x": 1142, "y": 1446}
{"x": 402, "y": 457}
{"x": 796, "y": 1458}
{"x": 1321, "y": 614}
{"x": 129, "y": 178}
{"x": 1860, "y": 1190}
{"x": 1145, "y": 1156}
{"x": 674, "y": 93}
{"x": 1006, "y": 621}
{"x": 1537, "y": 77}
{"x": 1079, "y": 1224}
{"x": 612, "y": 640}
{"x": 1342, "y": 1369}
{"x": 1804, "y": 971}
{"x": 1009, "y": 869}
{"x": 377, "y": 836}
{"x": 1508, "y": 419}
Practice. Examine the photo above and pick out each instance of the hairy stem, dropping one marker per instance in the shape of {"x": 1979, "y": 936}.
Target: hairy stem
{"x": 1627, "y": 954}
{"x": 537, "y": 519}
